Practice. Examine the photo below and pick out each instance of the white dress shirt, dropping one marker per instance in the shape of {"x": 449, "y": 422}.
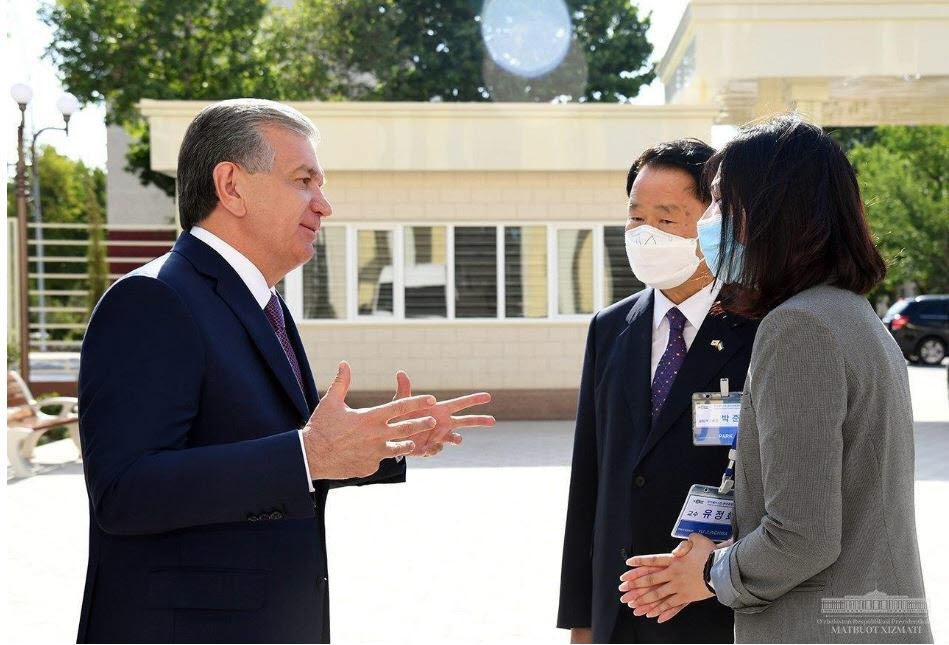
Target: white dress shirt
{"x": 695, "y": 308}
{"x": 256, "y": 283}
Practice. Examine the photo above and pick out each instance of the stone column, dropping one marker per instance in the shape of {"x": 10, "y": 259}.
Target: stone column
{"x": 808, "y": 96}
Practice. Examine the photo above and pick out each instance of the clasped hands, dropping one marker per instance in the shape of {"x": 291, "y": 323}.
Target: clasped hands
{"x": 342, "y": 442}
{"x": 661, "y": 585}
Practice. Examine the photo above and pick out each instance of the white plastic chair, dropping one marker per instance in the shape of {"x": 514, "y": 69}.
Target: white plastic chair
{"x": 26, "y": 422}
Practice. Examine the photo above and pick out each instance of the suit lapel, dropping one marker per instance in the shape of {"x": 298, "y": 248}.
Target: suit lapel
{"x": 702, "y": 362}
{"x": 635, "y": 344}
{"x": 238, "y": 297}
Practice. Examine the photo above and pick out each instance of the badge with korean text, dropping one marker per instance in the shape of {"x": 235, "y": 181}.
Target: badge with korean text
{"x": 715, "y": 418}
{"x": 707, "y": 512}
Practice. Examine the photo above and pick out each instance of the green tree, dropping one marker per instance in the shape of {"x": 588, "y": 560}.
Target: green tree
{"x": 902, "y": 173}
{"x": 849, "y": 137}
{"x": 72, "y": 193}
{"x": 120, "y": 51}
{"x": 97, "y": 265}
{"x": 422, "y": 50}
{"x": 66, "y": 187}
{"x": 612, "y": 35}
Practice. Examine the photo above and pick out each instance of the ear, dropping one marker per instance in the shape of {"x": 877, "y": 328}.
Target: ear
{"x": 227, "y": 178}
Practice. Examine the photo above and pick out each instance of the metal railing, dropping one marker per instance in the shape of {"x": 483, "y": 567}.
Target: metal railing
{"x": 59, "y": 280}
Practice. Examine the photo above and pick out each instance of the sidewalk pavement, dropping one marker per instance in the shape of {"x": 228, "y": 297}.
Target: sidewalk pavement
{"x": 467, "y": 550}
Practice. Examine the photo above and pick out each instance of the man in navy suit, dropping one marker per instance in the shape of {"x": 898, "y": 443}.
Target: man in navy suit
{"x": 633, "y": 457}
{"x": 207, "y": 450}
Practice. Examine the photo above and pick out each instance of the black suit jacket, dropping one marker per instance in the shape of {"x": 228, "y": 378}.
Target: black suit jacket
{"x": 201, "y": 525}
{"x": 630, "y": 477}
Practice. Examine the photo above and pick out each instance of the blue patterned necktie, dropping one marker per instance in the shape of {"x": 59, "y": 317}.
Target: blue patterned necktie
{"x": 670, "y": 362}
{"x": 274, "y": 313}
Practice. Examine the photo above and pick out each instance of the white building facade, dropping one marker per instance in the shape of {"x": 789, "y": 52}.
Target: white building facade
{"x": 471, "y": 243}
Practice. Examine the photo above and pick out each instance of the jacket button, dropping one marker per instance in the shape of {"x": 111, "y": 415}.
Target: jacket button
{"x": 639, "y": 481}
{"x": 623, "y": 552}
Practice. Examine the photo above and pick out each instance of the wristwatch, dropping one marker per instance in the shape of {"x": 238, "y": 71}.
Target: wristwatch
{"x": 707, "y": 574}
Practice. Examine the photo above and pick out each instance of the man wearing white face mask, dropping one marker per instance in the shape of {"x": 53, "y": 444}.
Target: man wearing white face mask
{"x": 634, "y": 460}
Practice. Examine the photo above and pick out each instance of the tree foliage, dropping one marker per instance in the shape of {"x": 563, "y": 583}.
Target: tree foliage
{"x": 849, "y": 137}
{"x": 69, "y": 193}
{"x": 97, "y": 266}
{"x": 120, "y": 51}
{"x": 902, "y": 173}
{"x": 437, "y": 52}
{"x": 66, "y": 188}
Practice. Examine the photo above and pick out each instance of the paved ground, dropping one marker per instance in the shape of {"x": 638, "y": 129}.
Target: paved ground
{"x": 467, "y": 550}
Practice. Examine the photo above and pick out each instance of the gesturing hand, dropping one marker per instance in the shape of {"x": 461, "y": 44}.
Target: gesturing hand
{"x": 661, "y": 585}
{"x": 431, "y": 443}
{"x": 341, "y": 442}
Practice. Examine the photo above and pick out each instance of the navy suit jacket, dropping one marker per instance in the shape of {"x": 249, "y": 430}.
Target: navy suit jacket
{"x": 630, "y": 476}
{"x": 201, "y": 525}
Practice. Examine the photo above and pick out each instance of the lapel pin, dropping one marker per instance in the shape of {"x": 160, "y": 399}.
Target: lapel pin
{"x": 717, "y": 344}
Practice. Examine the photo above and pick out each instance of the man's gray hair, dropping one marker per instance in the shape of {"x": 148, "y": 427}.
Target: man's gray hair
{"x": 229, "y": 131}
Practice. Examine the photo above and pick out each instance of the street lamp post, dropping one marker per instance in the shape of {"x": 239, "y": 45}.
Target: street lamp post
{"x": 67, "y": 104}
{"x": 22, "y": 95}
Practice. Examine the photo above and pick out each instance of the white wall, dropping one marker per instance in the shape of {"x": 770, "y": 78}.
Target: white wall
{"x": 128, "y": 201}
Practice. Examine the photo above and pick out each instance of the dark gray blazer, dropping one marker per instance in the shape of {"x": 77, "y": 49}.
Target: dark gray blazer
{"x": 824, "y": 481}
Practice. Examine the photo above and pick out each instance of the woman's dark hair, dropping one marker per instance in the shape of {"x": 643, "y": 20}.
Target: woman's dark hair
{"x": 790, "y": 197}
{"x": 688, "y": 155}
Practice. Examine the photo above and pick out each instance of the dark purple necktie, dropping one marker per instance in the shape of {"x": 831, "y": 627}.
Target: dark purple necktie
{"x": 670, "y": 362}
{"x": 274, "y": 313}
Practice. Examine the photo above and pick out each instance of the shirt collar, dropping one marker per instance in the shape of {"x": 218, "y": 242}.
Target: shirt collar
{"x": 246, "y": 270}
{"x": 695, "y": 308}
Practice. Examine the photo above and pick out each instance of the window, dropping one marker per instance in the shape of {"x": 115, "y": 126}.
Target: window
{"x": 575, "y": 271}
{"x": 897, "y": 307}
{"x": 426, "y": 272}
{"x": 324, "y": 276}
{"x": 934, "y": 309}
{"x": 476, "y": 272}
{"x": 618, "y": 279}
{"x": 440, "y": 271}
{"x": 525, "y": 271}
{"x": 375, "y": 274}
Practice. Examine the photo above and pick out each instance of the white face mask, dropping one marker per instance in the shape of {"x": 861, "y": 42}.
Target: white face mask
{"x": 661, "y": 260}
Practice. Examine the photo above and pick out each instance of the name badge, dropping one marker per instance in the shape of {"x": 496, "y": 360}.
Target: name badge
{"x": 706, "y": 512}
{"x": 715, "y": 418}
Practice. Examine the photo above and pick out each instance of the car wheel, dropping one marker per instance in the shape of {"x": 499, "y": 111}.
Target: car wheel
{"x": 931, "y": 351}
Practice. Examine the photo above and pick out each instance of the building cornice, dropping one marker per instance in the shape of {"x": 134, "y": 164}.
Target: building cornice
{"x": 488, "y": 137}
{"x": 434, "y": 110}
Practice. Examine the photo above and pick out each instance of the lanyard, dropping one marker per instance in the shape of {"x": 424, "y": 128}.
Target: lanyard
{"x": 728, "y": 477}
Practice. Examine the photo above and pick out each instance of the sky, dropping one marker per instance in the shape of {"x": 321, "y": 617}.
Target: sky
{"x": 26, "y": 37}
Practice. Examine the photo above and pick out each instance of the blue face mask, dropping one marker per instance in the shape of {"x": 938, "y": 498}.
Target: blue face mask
{"x": 710, "y": 238}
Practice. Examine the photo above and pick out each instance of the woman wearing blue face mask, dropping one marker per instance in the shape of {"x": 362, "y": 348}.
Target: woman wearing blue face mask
{"x": 824, "y": 525}
{"x": 712, "y": 235}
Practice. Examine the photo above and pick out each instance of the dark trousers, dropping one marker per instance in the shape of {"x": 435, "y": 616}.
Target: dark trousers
{"x": 707, "y": 621}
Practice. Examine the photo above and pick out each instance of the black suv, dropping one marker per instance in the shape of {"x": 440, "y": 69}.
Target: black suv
{"x": 920, "y": 326}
